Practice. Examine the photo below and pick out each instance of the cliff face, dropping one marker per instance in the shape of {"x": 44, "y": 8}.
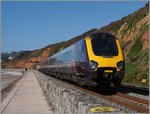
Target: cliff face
{"x": 132, "y": 31}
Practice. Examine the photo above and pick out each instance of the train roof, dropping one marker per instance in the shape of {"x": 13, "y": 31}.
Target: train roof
{"x": 100, "y": 33}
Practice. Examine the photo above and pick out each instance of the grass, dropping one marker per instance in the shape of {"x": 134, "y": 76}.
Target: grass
{"x": 136, "y": 56}
{"x": 134, "y": 72}
{"x": 131, "y": 70}
{"x": 137, "y": 47}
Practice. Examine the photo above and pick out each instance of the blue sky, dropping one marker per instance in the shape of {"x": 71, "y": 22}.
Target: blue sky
{"x": 33, "y": 25}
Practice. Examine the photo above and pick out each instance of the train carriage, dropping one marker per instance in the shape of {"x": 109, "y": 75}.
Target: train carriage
{"x": 97, "y": 58}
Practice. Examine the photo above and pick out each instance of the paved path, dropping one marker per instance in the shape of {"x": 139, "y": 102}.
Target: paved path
{"x": 26, "y": 97}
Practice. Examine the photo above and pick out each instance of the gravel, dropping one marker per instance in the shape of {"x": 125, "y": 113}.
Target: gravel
{"x": 139, "y": 96}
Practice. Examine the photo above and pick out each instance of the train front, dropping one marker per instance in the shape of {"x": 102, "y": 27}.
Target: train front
{"x": 106, "y": 59}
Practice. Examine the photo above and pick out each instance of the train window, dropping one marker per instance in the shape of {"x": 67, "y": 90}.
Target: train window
{"x": 104, "y": 45}
{"x": 63, "y": 58}
{"x": 77, "y": 54}
{"x": 67, "y": 56}
{"x": 70, "y": 55}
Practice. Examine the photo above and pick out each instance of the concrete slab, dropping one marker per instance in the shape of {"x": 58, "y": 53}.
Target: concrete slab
{"x": 28, "y": 109}
{"x": 34, "y": 102}
{"x": 28, "y": 92}
{"x": 27, "y": 97}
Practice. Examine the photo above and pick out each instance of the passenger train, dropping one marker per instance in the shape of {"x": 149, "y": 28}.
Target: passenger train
{"x": 96, "y": 59}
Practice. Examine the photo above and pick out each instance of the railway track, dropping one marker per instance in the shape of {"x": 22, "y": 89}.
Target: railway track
{"x": 133, "y": 103}
{"x": 129, "y": 88}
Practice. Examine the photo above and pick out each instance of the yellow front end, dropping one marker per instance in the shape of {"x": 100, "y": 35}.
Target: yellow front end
{"x": 104, "y": 61}
{"x": 107, "y": 70}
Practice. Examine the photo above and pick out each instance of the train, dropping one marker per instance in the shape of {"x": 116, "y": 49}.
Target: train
{"x": 96, "y": 59}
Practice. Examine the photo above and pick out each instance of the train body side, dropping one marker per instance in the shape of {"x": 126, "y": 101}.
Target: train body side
{"x": 70, "y": 63}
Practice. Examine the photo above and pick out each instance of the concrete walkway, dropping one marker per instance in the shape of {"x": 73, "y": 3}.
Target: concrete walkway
{"x": 26, "y": 97}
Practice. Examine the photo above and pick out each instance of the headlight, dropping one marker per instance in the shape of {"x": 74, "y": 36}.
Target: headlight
{"x": 93, "y": 64}
{"x": 121, "y": 65}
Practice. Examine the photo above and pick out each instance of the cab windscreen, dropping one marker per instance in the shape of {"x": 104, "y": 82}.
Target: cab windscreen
{"x": 104, "y": 44}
